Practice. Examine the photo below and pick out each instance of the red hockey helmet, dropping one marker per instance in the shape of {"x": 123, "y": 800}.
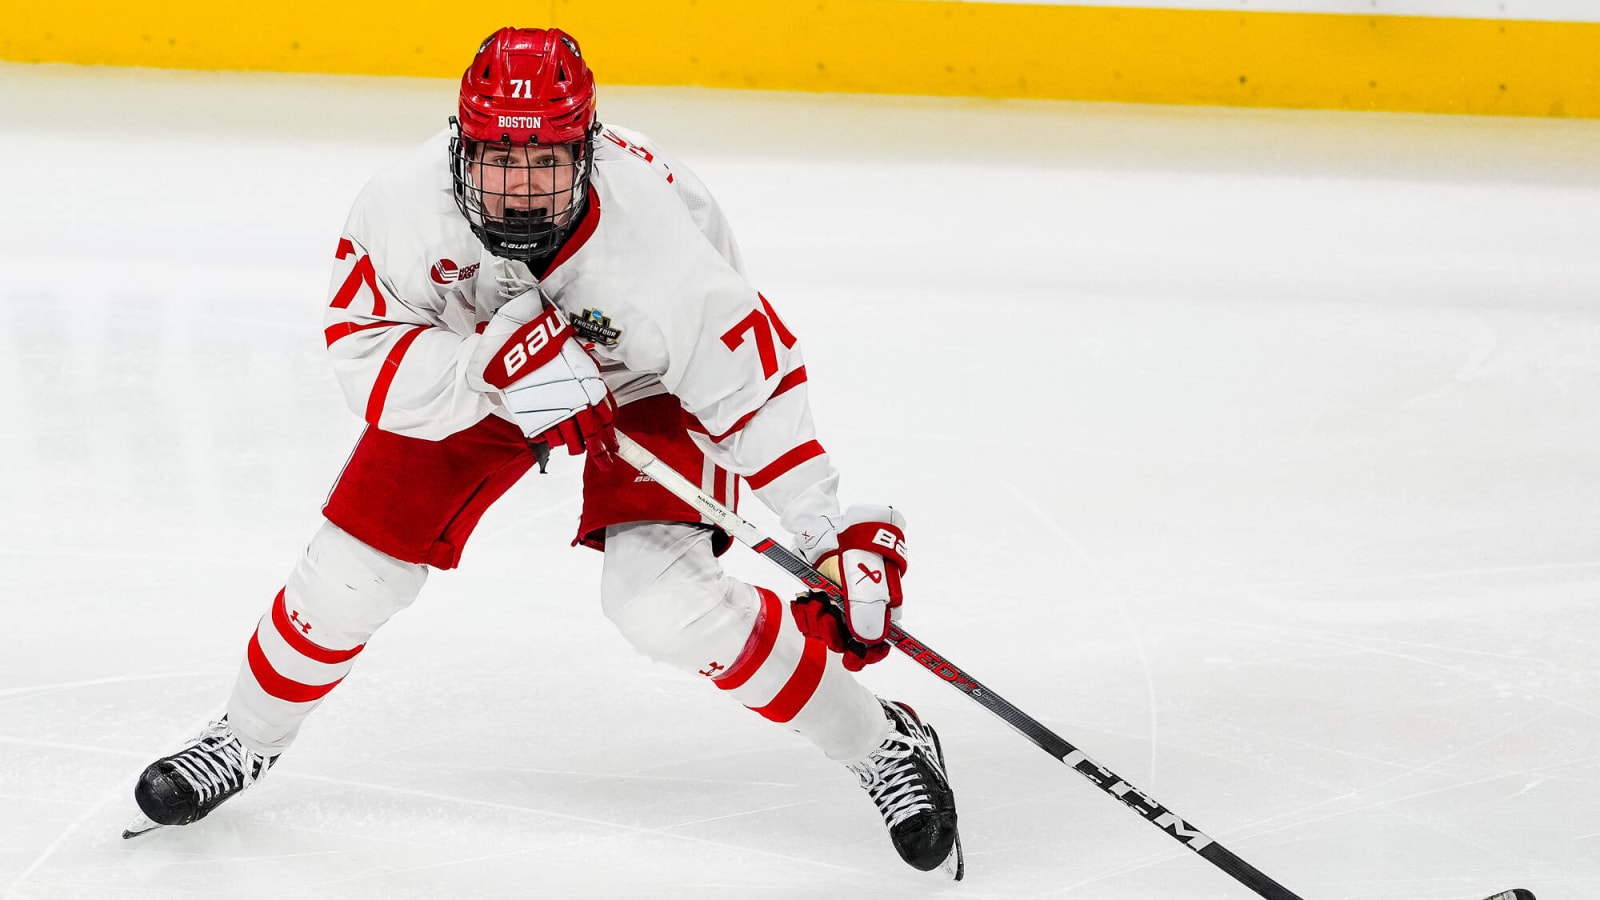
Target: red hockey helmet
{"x": 527, "y": 85}
{"x": 522, "y": 151}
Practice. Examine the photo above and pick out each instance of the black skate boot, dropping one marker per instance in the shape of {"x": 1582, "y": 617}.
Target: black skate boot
{"x": 906, "y": 779}
{"x": 186, "y": 786}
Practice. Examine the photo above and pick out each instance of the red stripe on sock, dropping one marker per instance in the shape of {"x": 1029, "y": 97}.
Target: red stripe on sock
{"x": 277, "y": 685}
{"x": 769, "y": 621}
{"x": 301, "y": 644}
{"x": 800, "y": 686}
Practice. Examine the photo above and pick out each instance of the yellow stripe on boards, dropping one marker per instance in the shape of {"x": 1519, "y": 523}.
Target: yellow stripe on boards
{"x": 1128, "y": 54}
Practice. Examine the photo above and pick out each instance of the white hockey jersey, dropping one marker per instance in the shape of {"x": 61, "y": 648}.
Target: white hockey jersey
{"x": 651, "y": 278}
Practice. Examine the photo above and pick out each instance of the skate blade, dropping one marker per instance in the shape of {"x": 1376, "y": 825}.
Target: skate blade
{"x": 141, "y": 824}
{"x": 1513, "y": 894}
{"x": 954, "y": 867}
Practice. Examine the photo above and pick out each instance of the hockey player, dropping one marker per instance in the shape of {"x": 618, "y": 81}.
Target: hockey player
{"x": 532, "y": 278}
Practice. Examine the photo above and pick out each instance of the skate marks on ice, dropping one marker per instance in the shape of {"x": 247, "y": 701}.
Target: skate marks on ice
{"x": 14, "y": 891}
{"x": 1118, "y": 596}
{"x": 564, "y": 833}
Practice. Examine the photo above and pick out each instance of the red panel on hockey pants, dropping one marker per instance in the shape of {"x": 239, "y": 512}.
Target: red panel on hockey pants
{"x": 418, "y": 500}
{"x": 619, "y": 494}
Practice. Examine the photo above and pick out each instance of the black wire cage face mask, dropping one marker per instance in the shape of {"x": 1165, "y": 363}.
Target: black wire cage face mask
{"x": 521, "y": 200}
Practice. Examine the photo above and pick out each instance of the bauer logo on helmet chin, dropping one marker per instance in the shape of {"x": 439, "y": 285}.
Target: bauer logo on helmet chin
{"x": 519, "y": 121}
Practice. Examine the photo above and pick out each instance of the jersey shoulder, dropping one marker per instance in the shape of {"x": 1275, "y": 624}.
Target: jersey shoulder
{"x": 406, "y": 219}
{"x": 630, "y": 159}
{"x": 649, "y": 273}
{"x": 417, "y": 184}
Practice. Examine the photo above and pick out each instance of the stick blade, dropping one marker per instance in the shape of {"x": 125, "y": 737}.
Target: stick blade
{"x": 1513, "y": 894}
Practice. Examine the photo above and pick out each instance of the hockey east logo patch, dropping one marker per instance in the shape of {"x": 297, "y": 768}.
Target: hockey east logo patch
{"x": 446, "y": 271}
{"x": 595, "y": 327}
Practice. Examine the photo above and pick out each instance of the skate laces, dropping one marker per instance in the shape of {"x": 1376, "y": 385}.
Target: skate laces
{"x": 218, "y": 763}
{"x": 892, "y": 774}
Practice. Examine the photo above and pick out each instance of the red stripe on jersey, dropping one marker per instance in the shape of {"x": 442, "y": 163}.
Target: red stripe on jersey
{"x": 299, "y": 643}
{"x": 800, "y": 687}
{"x": 769, "y": 621}
{"x": 580, "y": 235}
{"x": 277, "y": 685}
{"x": 737, "y": 427}
{"x": 790, "y": 381}
{"x": 781, "y": 466}
{"x": 793, "y": 379}
{"x": 345, "y": 329}
{"x": 391, "y": 365}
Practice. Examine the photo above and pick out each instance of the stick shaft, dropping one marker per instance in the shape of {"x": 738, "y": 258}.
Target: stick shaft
{"x": 940, "y": 665}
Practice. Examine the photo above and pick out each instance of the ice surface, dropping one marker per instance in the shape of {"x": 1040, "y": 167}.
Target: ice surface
{"x": 1255, "y": 452}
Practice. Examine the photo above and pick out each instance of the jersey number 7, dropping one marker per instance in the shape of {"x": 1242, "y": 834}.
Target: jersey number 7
{"x": 761, "y": 326}
{"x": 361, "y": 275}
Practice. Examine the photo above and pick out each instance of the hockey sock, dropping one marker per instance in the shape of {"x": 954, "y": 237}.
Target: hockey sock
{"x": 665, "y": 591}
{"x": 338, "y": 595}
{"x": 789, "y": 678}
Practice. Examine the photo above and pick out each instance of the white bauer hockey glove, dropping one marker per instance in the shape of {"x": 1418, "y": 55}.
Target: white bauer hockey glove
{"x": 864, "y": 553}
{"x": 551, "y": 385}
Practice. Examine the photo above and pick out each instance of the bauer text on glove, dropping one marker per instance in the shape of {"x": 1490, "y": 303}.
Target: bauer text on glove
{"x": 551, "y": 385}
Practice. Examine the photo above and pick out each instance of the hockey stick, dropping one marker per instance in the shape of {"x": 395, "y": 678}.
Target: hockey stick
{"x": 1047, "y": 740}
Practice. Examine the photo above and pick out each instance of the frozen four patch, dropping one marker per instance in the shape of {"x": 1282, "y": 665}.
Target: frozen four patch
{"x": 594, "y": 326}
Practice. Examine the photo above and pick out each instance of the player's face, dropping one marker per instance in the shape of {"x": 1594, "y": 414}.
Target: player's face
{"x": 526, "y": 180}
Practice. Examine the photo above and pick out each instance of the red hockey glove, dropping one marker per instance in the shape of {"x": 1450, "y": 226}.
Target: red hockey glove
{"x": 864, "y": 553}
{"x": 550, "y": 383}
